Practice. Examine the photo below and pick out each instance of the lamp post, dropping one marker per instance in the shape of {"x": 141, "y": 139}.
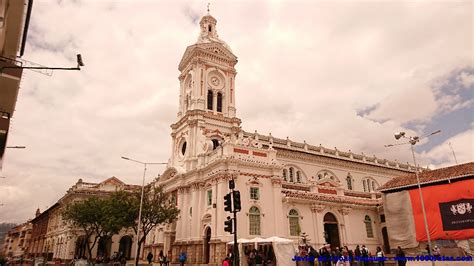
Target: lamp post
{"x": 79, "y": 61}
{"x": 141, "y": 200}
{"x": 412, "y": 141}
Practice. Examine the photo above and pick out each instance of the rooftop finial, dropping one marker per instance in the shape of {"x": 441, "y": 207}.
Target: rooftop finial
{"x": 208, "y": 6}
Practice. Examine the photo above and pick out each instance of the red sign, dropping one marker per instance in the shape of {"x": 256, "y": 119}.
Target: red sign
{"x": 449, "y": 211}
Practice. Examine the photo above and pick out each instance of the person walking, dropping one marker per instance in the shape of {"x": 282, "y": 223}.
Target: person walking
{"x": 365, "y": 255}
{"x": 401, "y": 257}
{"x": 436, "y": 252}
{"x": 182, "y": 258}
{"x": 161, "y": 257}
{"x": 149, "y": 257}
{"x": 380, "y": 256}
{"x": 226, "y": 262}
{"x": 259, "y": 259}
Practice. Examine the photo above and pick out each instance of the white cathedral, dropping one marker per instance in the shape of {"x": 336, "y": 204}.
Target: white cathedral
{"x": 286, "y": 187}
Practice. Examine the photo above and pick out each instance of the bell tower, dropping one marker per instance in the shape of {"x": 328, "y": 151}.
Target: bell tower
{"x": 207, "y": 79}
{"x": 207, "y": 112}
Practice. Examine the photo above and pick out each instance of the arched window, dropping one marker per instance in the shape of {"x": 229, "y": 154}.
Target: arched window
{"x": 210, "y": 97}
{"x": 298, "y": 176}
{"x": 291, "y": 174}
{"x": 369, "y": 184}
{"x": 294, "y": 220}
{"x": 285, "y": 175}
{"x": 219, "y": 102}
{"x": 368, "y": 226}
{"x": 254, "y": 221}
{"x": 349, "y": 182}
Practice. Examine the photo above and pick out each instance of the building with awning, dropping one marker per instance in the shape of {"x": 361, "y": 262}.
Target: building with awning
{"x": 448, "y": 195}
{"x": 14, "y": 19}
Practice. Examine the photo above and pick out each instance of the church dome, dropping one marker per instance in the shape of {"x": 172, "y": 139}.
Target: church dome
{"x": 209, "y": 33}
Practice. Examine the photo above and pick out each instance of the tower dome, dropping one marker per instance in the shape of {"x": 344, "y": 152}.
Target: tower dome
{"x": 209, "y": 33}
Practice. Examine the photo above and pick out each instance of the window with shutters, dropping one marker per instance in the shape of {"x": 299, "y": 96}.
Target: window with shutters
{"x": 254, "y": 221}
{"x": 368, "y": 226}
{"x": 294, "y": 221}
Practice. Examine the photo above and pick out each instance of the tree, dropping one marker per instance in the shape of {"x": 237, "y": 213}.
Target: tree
{"x": 101, "y": 217}
{"x": 157, "y": 209}
{"x": 88, "y": 216}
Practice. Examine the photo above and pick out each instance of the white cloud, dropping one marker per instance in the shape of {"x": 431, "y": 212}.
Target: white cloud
{"x": 304, "y": 70}
{"x": 463, "y": 146}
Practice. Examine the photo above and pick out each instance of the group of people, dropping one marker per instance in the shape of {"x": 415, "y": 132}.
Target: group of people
{"x": 163, "y": 260}
{"x": 343, "y": 256}
{"x": 259, "y": 258}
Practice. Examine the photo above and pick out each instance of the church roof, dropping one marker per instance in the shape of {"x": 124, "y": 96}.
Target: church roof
{"x": 287, "y": 144}
{"x": 430, "y": 177}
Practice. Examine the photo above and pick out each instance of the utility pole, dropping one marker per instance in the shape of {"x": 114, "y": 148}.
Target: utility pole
{"x": 232, "y": 205}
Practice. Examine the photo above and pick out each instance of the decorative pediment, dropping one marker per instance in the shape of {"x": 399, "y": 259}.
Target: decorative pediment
{"x": 212, "y": 51}
{"x": 112, "y": 181}
{"x": 169, "y": 173}
{"x": 328, "y": 182}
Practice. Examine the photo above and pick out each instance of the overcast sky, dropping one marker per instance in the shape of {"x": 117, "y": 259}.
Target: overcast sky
{"x": 343, "y": 74}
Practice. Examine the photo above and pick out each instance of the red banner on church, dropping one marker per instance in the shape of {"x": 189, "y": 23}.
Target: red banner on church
{"x": 449, "y": 211}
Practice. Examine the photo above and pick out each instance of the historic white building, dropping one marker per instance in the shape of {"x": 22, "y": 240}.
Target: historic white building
{"x": 286, "y": 187}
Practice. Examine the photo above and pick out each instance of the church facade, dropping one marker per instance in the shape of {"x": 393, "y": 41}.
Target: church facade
{"x": 286, "y": 187}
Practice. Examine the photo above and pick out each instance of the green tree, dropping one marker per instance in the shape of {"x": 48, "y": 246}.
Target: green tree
{"x": 157, "y": 209}
{"x": 88, "y": 216}
{"x": 101, "y": 217}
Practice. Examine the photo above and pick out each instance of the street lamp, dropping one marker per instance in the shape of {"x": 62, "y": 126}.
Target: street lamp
{"x": 412, "y": 141}
{"x": 141, "y": 199}
{"x": 79, "y": 62}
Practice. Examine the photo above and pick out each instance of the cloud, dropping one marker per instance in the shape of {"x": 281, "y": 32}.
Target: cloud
{"x": 462, "y": 147}
{"x": 339, "y": 73}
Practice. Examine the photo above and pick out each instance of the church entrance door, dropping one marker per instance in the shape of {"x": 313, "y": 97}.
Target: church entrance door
{"x": 207, "y": 246}
{"x": 331, "y": 230}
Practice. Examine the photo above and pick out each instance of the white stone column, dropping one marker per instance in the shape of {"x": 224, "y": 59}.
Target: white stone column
{"x": 199, "y": 210}
{"x": 179, "y": 222}
{"x": 315, "y": 228}
{"x": 221, "y": 216}
{"x": 185, "y": 214}
{"x": 214, "y": 101}
{"x": 278, "y": 208}
{"x": 194, "y": 214}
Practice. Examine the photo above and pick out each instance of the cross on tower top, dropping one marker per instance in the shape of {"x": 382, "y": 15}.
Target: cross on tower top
{"x": 208, "y": 6}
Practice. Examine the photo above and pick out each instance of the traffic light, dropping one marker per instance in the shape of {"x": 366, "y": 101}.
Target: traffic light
{"x": 228, "y": 202}
{"x": 228, "y": 225}
{"x": 237, "y": 206}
